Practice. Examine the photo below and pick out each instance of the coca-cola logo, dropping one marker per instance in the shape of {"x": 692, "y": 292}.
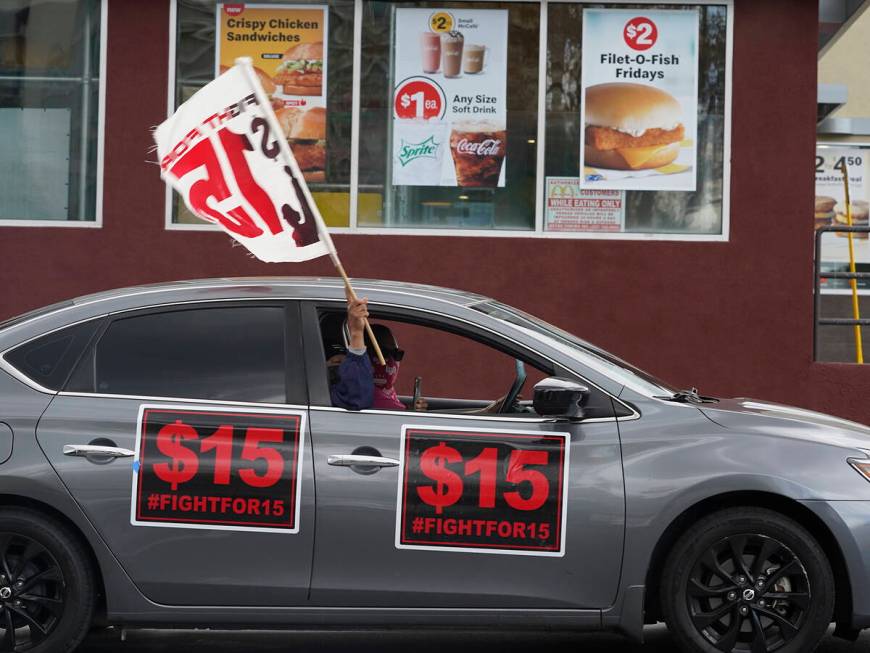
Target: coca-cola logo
{"x": 487, "y": 147}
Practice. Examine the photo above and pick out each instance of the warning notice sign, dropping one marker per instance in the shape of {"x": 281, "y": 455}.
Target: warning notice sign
{"x": 217, "y": 469}
{"x": 482, "y": 490}
{"x": 571, "y": 208}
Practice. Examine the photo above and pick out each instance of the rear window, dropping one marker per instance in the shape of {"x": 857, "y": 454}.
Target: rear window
{"x": 49, "y": 359}
{"x": 229, "y": 354}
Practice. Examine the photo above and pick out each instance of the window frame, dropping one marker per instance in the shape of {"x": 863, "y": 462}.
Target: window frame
{"x": 97, "y": 222}
{"x": 827, "y": 141}
{"x": 295, "y": 384}
{"x": 540, "y": 179}
{"x": 27, "y": 379}
{"x": 315, "y": 357}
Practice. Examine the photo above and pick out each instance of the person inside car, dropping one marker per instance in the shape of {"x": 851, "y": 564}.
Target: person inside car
{"x": 357, "y": 380}
{"x": 385, "y": 376}
{"x": 351, "y": 379}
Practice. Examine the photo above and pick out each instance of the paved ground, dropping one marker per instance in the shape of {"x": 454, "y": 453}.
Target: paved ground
{"x": 162, "y": 641}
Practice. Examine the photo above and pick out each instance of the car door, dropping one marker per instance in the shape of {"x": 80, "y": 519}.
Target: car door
{"x": 470, "y": 510}
{"x": 206, "y": 496}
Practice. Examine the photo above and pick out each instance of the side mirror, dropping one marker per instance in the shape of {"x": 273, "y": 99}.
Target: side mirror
{"x": 560, "y": 397}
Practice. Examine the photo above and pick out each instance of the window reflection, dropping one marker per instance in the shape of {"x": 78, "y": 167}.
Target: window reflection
{"x": 49, "y": 109}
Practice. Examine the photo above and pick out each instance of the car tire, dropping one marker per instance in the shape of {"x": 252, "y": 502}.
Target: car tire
{"x": 50, "y": 595}
{"x": 747, "y": 579}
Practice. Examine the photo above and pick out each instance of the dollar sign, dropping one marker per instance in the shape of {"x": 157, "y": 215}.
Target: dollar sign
{"x": 448, "y": 484}
{"x": 632, "y": 31}
{"x": 405, "y": 100}
{"x": 185, "y": 463}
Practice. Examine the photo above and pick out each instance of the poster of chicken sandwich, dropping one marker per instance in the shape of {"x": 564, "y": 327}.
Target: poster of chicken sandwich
{"x": 287, "y": 44}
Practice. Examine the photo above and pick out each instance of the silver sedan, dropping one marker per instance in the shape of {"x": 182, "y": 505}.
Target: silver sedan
{"x": 171, "y": 455}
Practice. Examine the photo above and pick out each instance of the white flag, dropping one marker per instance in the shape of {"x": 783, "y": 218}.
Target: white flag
{"x": 225, "y": 154}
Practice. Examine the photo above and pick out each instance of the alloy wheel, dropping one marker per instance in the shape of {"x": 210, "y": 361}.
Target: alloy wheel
{"x": 32, "y": 593}
{"x": 748, "y": 592}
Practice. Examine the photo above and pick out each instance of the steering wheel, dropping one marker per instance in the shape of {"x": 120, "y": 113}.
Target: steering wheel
{"x": 511, "y": 397}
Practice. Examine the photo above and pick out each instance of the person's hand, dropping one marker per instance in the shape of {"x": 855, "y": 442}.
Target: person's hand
{"x": 495, "y": 406}
{"x": 357, "y": 312}
{"x": 421, "y": 404}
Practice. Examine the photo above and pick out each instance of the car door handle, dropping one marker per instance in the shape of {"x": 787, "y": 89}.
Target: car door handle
{"x": 367, "y": 461}
{"x": 96, "y": 450}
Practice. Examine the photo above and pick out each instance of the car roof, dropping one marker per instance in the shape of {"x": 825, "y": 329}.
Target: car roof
{"x": 198, "y": 290}
{"x": 412, "y": 295}
{"x": 301, "y": 286}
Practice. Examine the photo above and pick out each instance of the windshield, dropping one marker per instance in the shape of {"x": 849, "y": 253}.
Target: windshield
{"x": 614, "y": 367}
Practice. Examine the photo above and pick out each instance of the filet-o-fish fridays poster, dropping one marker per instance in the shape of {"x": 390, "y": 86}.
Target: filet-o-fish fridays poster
{"x": 288, "y": 47}
{"x": 639, "y": 99}
{"x": 450, "y": 97}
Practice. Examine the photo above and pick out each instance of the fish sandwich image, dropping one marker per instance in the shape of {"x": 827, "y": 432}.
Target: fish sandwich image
{"x": 631, "y": 127}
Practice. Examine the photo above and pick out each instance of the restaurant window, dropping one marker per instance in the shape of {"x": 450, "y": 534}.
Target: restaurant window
{"x": 50, "y": 111}
{"x": 700, "y": 163}
{"x": 469, "y": 120}
{"x": 448, "y": 115}
{"x": 307, "y": 73}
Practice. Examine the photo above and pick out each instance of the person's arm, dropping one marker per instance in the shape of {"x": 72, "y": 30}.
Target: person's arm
{"x": 356, "y": 386}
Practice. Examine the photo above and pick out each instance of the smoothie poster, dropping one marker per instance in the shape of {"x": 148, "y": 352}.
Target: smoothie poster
{"x": 287, "y": 45}
{"x": 639, "y": 99}
{"x": 830, "y": 210}
{"x": 450, "y": 97}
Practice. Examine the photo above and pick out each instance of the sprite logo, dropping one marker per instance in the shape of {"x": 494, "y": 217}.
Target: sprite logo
{"x": 427, "y": 149}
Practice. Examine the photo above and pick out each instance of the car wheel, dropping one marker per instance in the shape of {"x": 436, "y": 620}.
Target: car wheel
{"x": 747, "y": 579}
{"x": 46, "y": 584}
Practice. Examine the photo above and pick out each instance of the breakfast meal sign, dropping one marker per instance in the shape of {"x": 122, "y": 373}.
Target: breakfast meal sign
{"x": 287, "y": 44}
{"x": 831, "y": 163}
{"x": 639, "y": 99}
{"x": 450, "y": 97}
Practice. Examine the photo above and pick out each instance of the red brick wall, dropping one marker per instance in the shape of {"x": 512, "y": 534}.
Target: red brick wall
{"x": 730, "y": 318}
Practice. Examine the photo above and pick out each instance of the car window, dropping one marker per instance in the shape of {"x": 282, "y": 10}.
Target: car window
{"x": 230, "y": 354}
{"x": 457, "y": 373}
{"x": 615, "y": 367}
{"x": 49, "y": 359}
{"x": 474, "y": 370}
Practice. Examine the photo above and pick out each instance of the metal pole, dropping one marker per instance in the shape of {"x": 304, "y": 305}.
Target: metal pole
{"x": 85, "y": 117}
{"x": 355, "y": 114}
{"x": 856, "y": 312}
{"x": 817, "y": 298}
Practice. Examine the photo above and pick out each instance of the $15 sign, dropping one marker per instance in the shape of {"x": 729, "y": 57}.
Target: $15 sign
{"x": 449, "y": 485}
{"x": 177, "y": 440}
{"x": 227, "y": 468}
{"x": 482, "y": 490}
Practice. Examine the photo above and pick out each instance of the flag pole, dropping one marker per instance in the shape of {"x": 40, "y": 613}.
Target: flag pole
{"x": 290, "y": 160}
